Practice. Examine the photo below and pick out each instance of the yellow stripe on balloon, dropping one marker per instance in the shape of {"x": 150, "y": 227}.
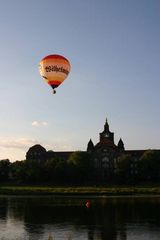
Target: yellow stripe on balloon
{"x": 54, "y": 68}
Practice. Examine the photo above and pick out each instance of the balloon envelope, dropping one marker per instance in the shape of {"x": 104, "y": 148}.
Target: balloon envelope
{"x": 54, "y": 69}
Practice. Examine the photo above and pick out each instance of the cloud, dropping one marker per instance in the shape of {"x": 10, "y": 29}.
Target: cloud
{"x": 21, "y": 143}
{"x": 39, "y": 123}
{"x": 59, "y": 144}
{"x": 15, "y": 148}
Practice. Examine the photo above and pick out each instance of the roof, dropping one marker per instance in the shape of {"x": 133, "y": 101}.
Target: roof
{"x": 105, "y": 143}
{"x": 137, "y": 153}
{"x": 37, "y": 148}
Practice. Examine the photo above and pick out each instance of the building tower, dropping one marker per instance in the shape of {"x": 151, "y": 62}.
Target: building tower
{"x": 106, "y": 134}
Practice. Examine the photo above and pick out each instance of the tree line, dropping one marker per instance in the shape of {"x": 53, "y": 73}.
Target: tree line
{"x": 79, "y": 169}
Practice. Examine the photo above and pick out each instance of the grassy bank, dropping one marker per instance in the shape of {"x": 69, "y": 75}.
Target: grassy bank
{"x": 56, "y": 190}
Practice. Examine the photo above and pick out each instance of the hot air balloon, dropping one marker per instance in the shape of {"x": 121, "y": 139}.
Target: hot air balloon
{"x": 54, "y": 69}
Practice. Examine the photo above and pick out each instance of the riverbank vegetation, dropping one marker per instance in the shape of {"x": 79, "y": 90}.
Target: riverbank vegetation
{"x": 79, "y": 190}
{"x": 79, "y": 170}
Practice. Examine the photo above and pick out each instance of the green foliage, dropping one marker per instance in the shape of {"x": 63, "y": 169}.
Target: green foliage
{"x": 79, "y": 169}
{"x": 80, "y": 166}
{"x": 33, "y": 171}
{"x": 4, "y": 169}
{"x": 18, "y": 171}
{"x": 55, "y": 170}
{"x": 123, "y": 169}
{"x": 77, "y": 190}
{"x": 149, "y": 165}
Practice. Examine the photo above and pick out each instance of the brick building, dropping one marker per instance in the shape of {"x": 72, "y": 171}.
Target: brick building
{"x": 104, "y": 154}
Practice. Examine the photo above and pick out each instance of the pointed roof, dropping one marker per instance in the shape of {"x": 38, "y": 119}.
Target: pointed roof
{"x": 105, "y": 143}
{"x": 90, "y": 145}
{"x": 106, "y": 126}
{"x": 120, "y": 144}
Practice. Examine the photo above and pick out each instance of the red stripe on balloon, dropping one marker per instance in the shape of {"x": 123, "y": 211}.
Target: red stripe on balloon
{"x": 54, "y": 82}
{"x": 55, "y": 57}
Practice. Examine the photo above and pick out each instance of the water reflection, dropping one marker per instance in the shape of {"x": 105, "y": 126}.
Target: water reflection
{"x": 68, "y": 218}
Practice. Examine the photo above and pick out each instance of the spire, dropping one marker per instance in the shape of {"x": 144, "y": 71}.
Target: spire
{"x": 106, "y": 126}
{"x": 90, "y": 146}
{"x": 106, "y": 134}
{"x": 120, "y": 144}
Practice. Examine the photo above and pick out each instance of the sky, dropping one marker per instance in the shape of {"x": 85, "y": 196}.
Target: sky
{"x": 114, "y": 50}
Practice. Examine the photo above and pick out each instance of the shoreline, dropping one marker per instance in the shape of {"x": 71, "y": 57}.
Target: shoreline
{"x": 79, "y": 191}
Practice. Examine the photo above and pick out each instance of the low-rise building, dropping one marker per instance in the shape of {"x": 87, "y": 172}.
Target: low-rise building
{"x": 105, "y": 154}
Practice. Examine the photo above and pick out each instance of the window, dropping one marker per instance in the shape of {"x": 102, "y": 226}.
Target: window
{"x": 105, "y": 160}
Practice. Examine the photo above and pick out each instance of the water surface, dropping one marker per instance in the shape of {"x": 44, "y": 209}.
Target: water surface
{"x": 110, "y": 218}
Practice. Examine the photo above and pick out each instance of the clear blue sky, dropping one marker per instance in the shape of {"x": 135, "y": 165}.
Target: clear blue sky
{"x": 114, "y": 50}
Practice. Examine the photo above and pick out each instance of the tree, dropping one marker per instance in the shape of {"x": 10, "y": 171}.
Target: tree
{"x": 55, "y": 169}
{"x": 18, "y": 171}
{"x": 123, "y": 168}
{"x": 149, "y": 165}
{"x": 80, "y": 166}
{"x": 4, "y": 169}
{"x": 34, "y": 170}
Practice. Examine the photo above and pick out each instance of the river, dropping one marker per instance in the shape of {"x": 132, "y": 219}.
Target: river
{"x": 68, "y": 218}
